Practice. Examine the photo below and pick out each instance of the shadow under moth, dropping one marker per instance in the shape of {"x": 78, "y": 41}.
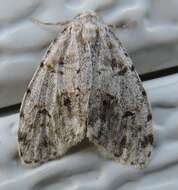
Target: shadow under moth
{"x": 86, "y": 87}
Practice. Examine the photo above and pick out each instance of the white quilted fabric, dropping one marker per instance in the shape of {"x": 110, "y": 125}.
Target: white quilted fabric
{"x": 84, "y": 168}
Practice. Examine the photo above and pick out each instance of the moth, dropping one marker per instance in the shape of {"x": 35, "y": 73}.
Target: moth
{"x": 86, "y": 86}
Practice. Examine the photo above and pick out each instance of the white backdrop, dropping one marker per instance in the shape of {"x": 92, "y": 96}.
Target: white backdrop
{"x": 85, "y": 169}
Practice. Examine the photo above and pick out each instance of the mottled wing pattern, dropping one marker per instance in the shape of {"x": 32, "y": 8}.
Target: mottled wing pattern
{"x": 50, "y": 122}
{"x": 120, "y": 119}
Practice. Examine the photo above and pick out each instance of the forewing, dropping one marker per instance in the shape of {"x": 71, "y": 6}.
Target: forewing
{"x": 50, "y": 121}
{"x": 120, "y": 119}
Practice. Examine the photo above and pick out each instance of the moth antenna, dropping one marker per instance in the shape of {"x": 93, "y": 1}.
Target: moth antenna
{"x": 39, "y": 22}
{"x": 112, "y": 26}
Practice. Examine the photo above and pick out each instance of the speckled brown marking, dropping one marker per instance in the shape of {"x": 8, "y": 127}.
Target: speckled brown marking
{"x": 50, "y": 66}
{"x": 128, "y": 113}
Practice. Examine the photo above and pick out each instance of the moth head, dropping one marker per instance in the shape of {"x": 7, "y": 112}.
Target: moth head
{"x": 89, "y": 20}
{"x": 89, "y": 32}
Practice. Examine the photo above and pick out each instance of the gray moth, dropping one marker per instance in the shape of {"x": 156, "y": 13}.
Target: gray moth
{"x": 86, "y": 87}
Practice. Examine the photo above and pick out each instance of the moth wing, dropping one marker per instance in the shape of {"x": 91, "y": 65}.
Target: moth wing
{"x": 120, "y": 119}
{"x": 49, "y": 125}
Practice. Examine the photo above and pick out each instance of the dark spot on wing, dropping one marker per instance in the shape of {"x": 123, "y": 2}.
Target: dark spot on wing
{"x": 48, "y": 51}
{"x": 78, "y": 89}
{"x": 105, "y": 102}
{"x": 150, "y": 138}
{"x": 61, "y": 62}
{"x": 105, "y": 105}
{"x": 142, "y": 163}
{"x": 42, "y": 64}
{"x": 128, "y": 113}
{"x": 35, "y": 106}
{"x": 27, "y": 161}
{"x": 144, "y": 142}
{"x": 35, "y": 161}
{"x": 61, "y": 72}
{"x": 21, "y": 153}
{"x": 64, "y": 30}
{"x": 110, "y": 96}
{"x": 44, "y": 142}
{"x": 126, "y": 54}
{"x": 123, "y": 71}
{"x": 149, "y": 117}
{"x": 143, "y": 93}
{"x": 54, "y": 153}
{"x": 21, "y": 114}
{"x": 147, "y": 139}
{"x": 67, "y": 102}
{"x": 44, "y": 111}
{"x": 118, "y": 154}
{"x": 50, "y": 66}
{"x": 132, "y": 68}
{"x": 113, "y": 63}
{"x": 21, "y": 136}
{"x": 28, "y": 91}
{"x": 78, "y": 71}
{"x": 149, "y": 154}
{"x": 110, "y": 46}
{"x": 99, "y": 72}
{"x": 55, "y": 40}
{"x": 98, "y": 134}
{"x": 123, "y": 141}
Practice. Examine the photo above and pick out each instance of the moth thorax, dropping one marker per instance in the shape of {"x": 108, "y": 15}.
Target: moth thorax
{"x": 89, "y": 32}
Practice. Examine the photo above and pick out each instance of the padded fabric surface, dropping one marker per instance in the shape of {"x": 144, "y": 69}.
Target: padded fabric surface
{"x": 84, "y": 168}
